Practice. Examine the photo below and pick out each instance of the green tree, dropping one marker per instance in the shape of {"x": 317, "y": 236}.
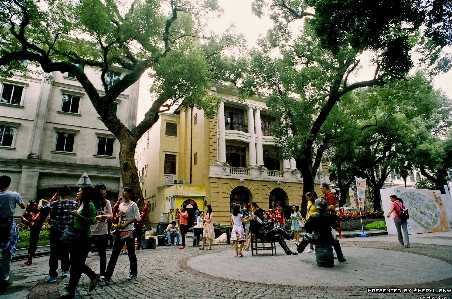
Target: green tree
{"x": 385, "y": 129}
{"x": 59, "y": 35}
{"x": 305, "y": 63}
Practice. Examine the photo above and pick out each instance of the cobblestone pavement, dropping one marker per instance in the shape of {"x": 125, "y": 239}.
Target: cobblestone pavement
{"x": 168, "y": 272}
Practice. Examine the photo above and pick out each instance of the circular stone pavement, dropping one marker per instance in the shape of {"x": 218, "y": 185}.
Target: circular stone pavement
{"x": 366, "y": 267}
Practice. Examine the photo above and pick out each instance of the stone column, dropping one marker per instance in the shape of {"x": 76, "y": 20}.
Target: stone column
{"x": 252, "y": 147}
{"x": 28, "y": 187}
{"x": 259, "y": 148}
{"x": 39, "y": 120}
{"x": 221, "y": 134}
{"x": 293, "y": 163}
{"x": 286, "y": 164}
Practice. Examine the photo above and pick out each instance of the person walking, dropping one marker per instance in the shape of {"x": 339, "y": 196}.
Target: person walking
{"x": 84, "y": 217}
{"x": 183, "y": 224}
{"x": 128, "y": 214}
{"x": 100, "y": 228}
{"x": 9, "y": 235}
{"x": 208, "y": 231}
{"x": 246, "y": 227}
{"x": 396, "y": 206}
{"x": 60, "y": 219}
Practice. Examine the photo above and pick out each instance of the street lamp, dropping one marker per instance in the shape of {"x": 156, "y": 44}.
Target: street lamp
{"x": 84, "y": 180}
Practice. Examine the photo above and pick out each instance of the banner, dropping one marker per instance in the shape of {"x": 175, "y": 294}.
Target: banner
{"x": 360, "y": 192}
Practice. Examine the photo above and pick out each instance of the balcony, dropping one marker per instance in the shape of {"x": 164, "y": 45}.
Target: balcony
{"x": 222, "y": 170}
{"x": 275, "y": 173}
{"x": 237, "y": 126}
{"x": 239, "y": 171}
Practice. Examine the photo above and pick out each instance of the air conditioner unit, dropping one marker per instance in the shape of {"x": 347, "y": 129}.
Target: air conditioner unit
{"x": 181, "y": 181}
{"x": 169, "y": 179}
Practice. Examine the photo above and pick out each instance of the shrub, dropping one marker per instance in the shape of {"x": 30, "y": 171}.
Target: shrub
{"x": 380, "y": 224}
{"x": 24, "y": 237}
{"x": 365, "y": 215}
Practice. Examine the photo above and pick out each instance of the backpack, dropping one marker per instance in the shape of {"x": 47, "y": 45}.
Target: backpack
{"x": 403, "y": 213}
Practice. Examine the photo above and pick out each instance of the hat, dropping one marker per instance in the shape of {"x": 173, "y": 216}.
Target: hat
{"x": 321, "y": 204}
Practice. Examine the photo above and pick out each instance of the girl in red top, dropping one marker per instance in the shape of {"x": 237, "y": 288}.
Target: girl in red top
{"x": 183, "y": 224}
{"x": 279, "y": 215}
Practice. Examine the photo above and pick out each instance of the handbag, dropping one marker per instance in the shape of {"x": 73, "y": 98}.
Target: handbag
{"x": 69, "y": 235}
{"x": 125, "y": 235}
{"x": 301, "y": 222}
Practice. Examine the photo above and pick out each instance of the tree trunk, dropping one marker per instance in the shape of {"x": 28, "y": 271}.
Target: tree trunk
{"x": 308, "y": 185}
{"x": 129, "y": 170}
{"x": 377, "y": 198}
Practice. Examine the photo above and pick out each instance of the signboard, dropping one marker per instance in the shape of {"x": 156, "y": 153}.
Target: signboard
{"x": 189, "y": 190}
{"x": 427, "y": 212}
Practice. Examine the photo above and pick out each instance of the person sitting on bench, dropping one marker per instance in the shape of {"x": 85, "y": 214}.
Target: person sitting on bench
{"x": 266, "y": 230}
{"x": 318, "y": 228}
{"x": 172, "y": 231}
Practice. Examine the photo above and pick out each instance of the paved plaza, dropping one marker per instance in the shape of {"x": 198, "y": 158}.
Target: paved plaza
{"x": 377, "y": 263}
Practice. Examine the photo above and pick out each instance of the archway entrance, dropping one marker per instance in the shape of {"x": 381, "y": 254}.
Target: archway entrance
{"x": 191, "y": 206}
{"x": 278, "y": 197}
{"x": 239, "y": 196}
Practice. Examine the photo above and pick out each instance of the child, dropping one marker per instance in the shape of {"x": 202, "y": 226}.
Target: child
{"x": 237, "y": 234}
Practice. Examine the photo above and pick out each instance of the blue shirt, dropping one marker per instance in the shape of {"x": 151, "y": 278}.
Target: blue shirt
{"x": 8, "y": 201}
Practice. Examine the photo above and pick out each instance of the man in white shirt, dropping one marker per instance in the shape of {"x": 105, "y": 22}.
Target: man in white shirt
{"x": 172, "y": 231}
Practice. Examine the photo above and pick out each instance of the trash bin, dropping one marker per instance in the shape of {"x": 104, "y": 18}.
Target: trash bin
{"x": 161, "y": 227}
{"x": 148, "y": 243}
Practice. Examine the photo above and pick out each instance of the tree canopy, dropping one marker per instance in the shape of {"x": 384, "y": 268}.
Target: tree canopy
{"x": 135, "y": 36}
{"x": 310, "y": 59}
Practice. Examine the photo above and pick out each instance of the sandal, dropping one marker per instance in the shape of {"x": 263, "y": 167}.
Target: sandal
{"x": 201, "y": 248}
{"x": 240, "y": 254}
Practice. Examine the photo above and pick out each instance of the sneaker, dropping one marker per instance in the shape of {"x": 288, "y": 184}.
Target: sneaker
{"x": 132, "y": 276}
{"x": 51, "y": 279}
{"x": 102, "y": 278}
{"x": 309, "y": 250}
{"x": 64, "y": 274}
{"x": 168, "y": 245}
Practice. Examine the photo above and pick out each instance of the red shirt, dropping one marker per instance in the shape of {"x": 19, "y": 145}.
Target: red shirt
{"x": 183, "y": 218}
{"x": 331, "y": 198}
{"x": 279, "y": 217}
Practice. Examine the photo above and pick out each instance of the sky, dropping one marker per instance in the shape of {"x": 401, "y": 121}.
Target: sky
{"x": 238, "y": 12}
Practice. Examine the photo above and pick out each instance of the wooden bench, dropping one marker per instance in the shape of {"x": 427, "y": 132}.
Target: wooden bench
{"x": 258, "y": 244}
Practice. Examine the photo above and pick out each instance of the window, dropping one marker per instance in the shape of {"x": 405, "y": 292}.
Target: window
{"x": 111, "y": 77}
{"x": 7, "y": 135}
{"x": 270, "y": 162}
{"x": 236, "y": 156}
{"x": 105, "y": 146}
{"x": 65, "y": 142}
{"x": 195, "y": 158}
{"x": 11, "y": 94}
{"x": 235, "y": 119}
{"x": 171, "y": 129}
{"x": 195, "y": 119}
{"x": 70, "y": 103}
{"x": 266, "y": 124}
{"x": 170, "y": 164}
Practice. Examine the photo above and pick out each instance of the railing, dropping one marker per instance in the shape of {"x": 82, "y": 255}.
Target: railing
{"x": 275, "y": 173}
{"x": 239, "y": 171}
{"x": 236, "y": 126}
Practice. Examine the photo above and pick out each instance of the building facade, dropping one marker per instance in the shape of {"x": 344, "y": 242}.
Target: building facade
{"x": 186, "y": 158}
{"x": 50, "y": 133}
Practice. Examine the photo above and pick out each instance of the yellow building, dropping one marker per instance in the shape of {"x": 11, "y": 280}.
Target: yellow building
{"x": 188, "y": 158}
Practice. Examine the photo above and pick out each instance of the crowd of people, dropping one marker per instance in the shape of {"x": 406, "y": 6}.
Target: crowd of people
{"x": 76, "y": 222}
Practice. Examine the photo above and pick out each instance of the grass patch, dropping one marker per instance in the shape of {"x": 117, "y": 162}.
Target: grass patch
{"x": 379, "y": 224}
{"x": 24, "y": 238}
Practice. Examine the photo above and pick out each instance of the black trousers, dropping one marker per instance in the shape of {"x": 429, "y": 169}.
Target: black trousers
{"x": 57, "y": 249}
{"x": 79, "y": 251}
{"x": 117, "y": 246}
